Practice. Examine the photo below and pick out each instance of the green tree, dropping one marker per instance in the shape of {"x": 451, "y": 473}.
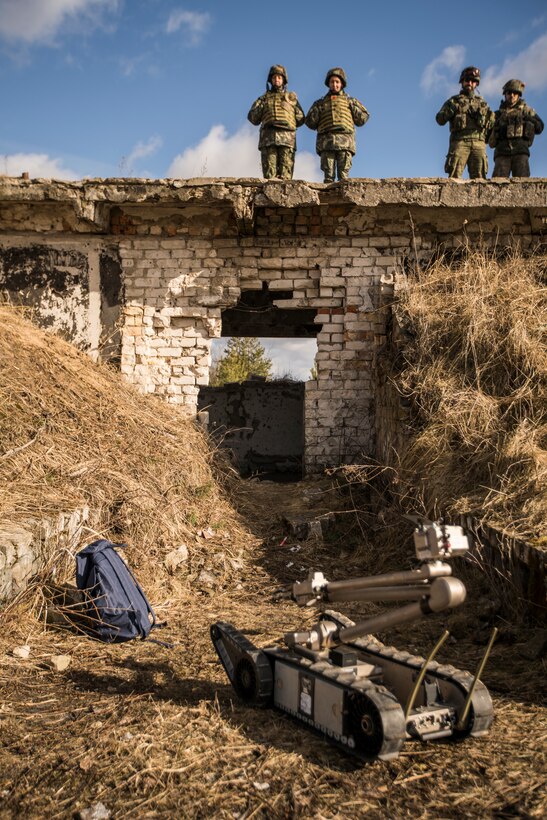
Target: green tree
{"x": 242, "y": 358}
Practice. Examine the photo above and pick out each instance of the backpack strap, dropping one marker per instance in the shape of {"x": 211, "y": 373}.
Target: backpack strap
{"x": 138, "y": 586}
{"x": 166, "y": 644}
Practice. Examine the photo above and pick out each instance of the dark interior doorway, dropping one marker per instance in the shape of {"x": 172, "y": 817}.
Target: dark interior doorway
{"x": 261, "y": 422}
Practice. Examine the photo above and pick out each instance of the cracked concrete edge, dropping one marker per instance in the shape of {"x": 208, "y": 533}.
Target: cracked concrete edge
{"x": 245, "y": 193}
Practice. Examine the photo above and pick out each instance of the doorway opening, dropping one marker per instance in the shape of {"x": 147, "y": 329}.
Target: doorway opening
{"x": 259, "y": 416}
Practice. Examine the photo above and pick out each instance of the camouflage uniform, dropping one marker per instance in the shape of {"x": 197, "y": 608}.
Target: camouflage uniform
{"x": 279, "y": 114}
{"x": 334, "y": 117}
{"x": 471, "y": 121}
{"x": 514, "y": 130}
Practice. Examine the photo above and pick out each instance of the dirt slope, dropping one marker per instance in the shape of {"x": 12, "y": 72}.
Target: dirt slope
{"x": 155, "y": 732}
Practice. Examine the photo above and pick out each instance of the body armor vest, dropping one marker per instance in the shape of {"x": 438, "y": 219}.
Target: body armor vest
{"x": 335, "y": 114}
{"x": 470, "y": 114}
{"x": 279, "y": 112}
{"x": 511, "y": 123}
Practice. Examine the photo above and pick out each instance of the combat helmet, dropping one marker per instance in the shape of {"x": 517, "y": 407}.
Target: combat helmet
{"x": 336, "y": 72}
{"x": 278, "y": 69}
{"x": 513, "y": 87}
{"x": 471, "y": 73}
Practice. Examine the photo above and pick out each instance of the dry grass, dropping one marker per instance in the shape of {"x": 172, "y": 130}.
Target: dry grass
{"x": 156, "y": 733}
{"x": 73, "y": 435}
{"x": 476, "y": 374}
{"x": 152, "y": 732}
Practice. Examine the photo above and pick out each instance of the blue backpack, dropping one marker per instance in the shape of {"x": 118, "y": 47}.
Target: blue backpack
{"x": 116, "y": 608}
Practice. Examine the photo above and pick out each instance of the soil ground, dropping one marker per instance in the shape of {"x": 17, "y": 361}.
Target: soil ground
{"x": 154, "y": 732}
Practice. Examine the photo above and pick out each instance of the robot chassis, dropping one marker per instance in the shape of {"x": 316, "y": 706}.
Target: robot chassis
{"x": 365, "y": 697}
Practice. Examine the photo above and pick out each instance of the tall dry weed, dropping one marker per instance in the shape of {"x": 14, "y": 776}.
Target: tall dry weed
{"x": 475, "y": 372}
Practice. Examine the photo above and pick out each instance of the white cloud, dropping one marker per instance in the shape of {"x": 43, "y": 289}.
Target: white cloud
{"x": 38, "y": 165}
{"x": 529, "y": 65}
{"x": 141, "y": 63}
{"x": 32, "y": 21}
{"x": 129, "y": 65}
{"x": 194, "y": 23}
{"x": 443, "y": 72}
{"x": 306, "y": 167}
{"x": 221, "y": 155}
{"x": 144, "y": 149}
{"x": 292, "y": 358}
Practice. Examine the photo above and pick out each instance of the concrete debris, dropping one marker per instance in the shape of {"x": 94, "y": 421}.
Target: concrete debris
{"x": 18, "y": 559}
{"x": 59, "y": 663}
{"x": 305, "y": 526}
{"x": 176, "y": 557}
{"x": 207, "y": 578}
{"x": 97, "y": 811}
{"x": 22, "y": 652}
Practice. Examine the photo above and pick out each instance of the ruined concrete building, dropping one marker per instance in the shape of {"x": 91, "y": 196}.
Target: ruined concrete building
{"x": 150, "y": 272}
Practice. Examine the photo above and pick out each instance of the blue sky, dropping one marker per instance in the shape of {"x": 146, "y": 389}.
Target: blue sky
{"x": 162, "y": 87}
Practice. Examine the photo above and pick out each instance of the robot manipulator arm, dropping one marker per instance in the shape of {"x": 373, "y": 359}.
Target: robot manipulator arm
{"x": 310, "y": 591}
{"x": 441, "y": 594}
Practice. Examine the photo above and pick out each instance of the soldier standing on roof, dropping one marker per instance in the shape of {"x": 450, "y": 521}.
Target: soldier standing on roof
{"x": 515, "y": 127}
{"x": 334, "y": 117}
{"x": 471, "y": 121}
{"x": 279, "y": 114}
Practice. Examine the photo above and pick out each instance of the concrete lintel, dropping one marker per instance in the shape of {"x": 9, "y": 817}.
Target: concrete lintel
{"x": 92, "y": 199}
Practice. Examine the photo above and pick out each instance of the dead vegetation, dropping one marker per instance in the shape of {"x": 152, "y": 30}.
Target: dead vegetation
{"x": 74, "y": 436}
{"x": 151, "y": 732}
{"x": 475, "y": 372}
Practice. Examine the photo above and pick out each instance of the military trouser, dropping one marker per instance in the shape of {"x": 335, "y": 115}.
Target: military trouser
{"x": 518, "y": 165}
{"x": 336, "y": 163}
{"x": 277, "y": 161}
{"x": 470, "y": 153}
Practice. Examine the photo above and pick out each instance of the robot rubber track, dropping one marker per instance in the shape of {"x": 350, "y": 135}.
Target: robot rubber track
{"x": 362, "y": 717}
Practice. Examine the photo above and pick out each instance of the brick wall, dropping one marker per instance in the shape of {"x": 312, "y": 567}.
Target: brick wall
{"x": 187, "y": 250}
{"x": 175, "y": 290}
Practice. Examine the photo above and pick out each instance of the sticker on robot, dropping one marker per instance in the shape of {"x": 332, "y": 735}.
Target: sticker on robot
{"x": 306, "y": 695}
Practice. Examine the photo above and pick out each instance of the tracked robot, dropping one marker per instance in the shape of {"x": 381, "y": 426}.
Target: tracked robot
{"x": 338, "y": 679}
